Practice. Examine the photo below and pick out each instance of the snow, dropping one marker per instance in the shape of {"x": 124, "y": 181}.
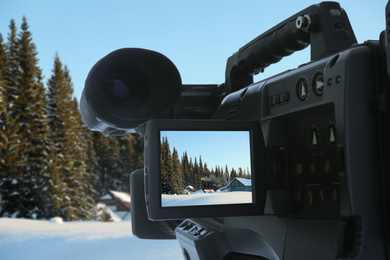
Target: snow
{"x": 56, "y": 220}
{"x": 100, "y": 207}
{"x": 106, "y": 197}
{"x": 246, "y": 182}
{"x": 216, "y": 198}
{"x": 197, "y": 192}
{"x": 84, "y": 240}
{"x": 121, "y": 196}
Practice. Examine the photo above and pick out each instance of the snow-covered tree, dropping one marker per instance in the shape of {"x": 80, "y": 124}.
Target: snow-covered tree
{"x": 26, "y": 164}
{"x": 84, "y": 181}
{"x": 3, "y": 116}
{"x": 131, "y": 156}
{"x": 50, "y": 164}
{"x": 71, "y": 188}
{"x": 31, "y": 105}
{"x": 177, "y": 177}
{"x": 166, "y": 167}
{"x": 109, "y": 163}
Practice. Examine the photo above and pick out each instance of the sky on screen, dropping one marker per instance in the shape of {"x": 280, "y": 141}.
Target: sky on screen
{"x": 217, "y": 148}
{"x": 197, "y": 35}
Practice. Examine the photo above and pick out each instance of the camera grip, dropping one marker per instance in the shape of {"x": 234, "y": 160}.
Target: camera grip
{"x": 324, "y": 26}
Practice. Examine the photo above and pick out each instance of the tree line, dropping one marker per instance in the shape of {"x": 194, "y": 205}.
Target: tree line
{"x": 177, "y": 174}
{"x": 50, "y": 163}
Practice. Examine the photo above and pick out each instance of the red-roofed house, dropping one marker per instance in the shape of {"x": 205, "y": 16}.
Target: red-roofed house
{"x": 118, "y": 202}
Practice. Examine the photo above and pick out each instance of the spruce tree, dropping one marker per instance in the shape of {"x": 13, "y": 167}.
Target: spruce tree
{"x": 166, "y": 167}
{"x": 91, "y": 160}
{"x": 177, "y": 177}
{"x": 26, "y": 155}
{"x": 217, "y": 177}
{"x": 3, "y": 104}
{"x": 185, "y": 168}
{"x": 200, "y": 172}
{"x": 225, "y": 176}
{"x": 33, "y": 105}
{"x": 12, "y": 75}
{"x": 61, "y": 168}
{"x": 191, "y": 173}
{"x": 109, "y": 164}
{"x": 125, "y": 145}
{"x": 196, "y": 179}
{"x": 240, "y": 172}
{"x": 9, "y": 143}
{"x": 233, "y": 174}
{"x": 3, "y": 117}
{"x": 206, "y": 170}
{"x": 131, "y": 158}
{"x": 72, "y": 186}
{"x": 137, "y": 154}
{"x": 11, "y": 175}
{"x": 84, "y": 181}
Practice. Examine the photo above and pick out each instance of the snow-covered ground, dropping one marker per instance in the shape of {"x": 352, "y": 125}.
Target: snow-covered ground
{"x": 40, "y": 240}
{"x": 215, "y": 198}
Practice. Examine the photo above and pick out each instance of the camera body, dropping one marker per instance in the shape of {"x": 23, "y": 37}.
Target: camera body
{"x": 319, "y": 144}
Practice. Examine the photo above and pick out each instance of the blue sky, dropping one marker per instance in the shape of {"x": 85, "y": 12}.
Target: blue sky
{"x": 198, "y": 36}
{"x": 229, "y": 148}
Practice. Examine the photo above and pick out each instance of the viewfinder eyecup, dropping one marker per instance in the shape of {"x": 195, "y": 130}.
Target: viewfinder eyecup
{"x": 128, "y": 87}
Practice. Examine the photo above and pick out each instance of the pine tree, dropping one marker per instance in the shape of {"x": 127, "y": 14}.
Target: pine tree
{"x": 91, "y": 161}
{"x": 166, "y": 167}
{"x": 206, "y": 171}
{"x": 191, "y": 180}
{"x": 4, "y": 119}
{"x": 13, "y": 71}
{"x": 217, "y": 177}
{"x": 9, "y": 142}
{"x": 36, "y": 130}
{"x": 26, "y": 161}
{"x": 3, "y": 103}
{"x": 61, "y": 167}
{"x": 196, "y": 179}
{"x": 72, "y": 190}
{"x": 109, "y": 164}
{"x": 233, "y": 174}
{"x": 85, "y": 182}
{"x": 137, "y": 154}
{"x": 114, "y": 165}
{"x": 130, "y": 158}
{"x": 200, "y": 172}
{"x": 240, "y": 172}
{"x": 177, "y": 175}
{"x": 185, "y": 168}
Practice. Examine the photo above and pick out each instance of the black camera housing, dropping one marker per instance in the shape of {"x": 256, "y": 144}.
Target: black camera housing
{"x": 325, "y": 128}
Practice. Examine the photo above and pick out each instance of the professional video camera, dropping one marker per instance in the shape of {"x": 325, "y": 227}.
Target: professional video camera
{"x": 313, "y": 143}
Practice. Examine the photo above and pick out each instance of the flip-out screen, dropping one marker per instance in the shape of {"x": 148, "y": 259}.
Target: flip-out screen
{"x": 204, "y": 168}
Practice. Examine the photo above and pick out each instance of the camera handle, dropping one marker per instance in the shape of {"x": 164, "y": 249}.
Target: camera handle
{"x": 325, "y": 26}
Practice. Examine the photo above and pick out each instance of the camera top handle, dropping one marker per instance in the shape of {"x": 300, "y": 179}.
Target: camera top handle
{"x": 325, "y": 26}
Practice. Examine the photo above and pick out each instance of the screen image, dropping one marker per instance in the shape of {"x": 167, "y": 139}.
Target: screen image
{"x": 205, "y": 168}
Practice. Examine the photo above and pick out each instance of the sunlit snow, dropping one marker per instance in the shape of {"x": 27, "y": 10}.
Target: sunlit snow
{"x": 215, "y": 198}
{"x": 35, "y": 239}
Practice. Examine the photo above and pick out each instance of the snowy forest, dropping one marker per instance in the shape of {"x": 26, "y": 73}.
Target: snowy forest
{"x": 50, "y": 163}
{"x": 179, "y": 175}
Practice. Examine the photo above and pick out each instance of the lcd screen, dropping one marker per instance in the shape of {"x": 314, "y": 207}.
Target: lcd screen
{"x": 205, "y": 168}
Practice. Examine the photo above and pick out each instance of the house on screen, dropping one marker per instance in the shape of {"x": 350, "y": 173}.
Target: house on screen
{"x": 238, "y": 184}
{"x": 118, "y": 202}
